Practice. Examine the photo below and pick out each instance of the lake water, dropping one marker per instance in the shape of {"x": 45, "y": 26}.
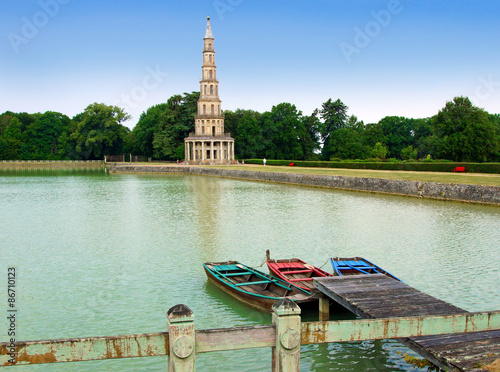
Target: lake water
{"x": 100, "y": 254}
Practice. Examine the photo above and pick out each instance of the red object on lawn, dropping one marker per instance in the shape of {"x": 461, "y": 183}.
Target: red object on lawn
{"x": 459, "y": 169}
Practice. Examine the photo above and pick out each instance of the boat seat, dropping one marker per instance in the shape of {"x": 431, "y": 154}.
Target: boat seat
{"x": 360, "y": 265}
{"x": 227, "y": 268}
{"x": 237, "y": 274}
{"x": 252, "y": 283}
{"x": 297, "y": 272}
{"x": 300, "y": 280}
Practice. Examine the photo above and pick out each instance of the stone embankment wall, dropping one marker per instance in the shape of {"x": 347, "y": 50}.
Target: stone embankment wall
{"x": 431, "y": 190}
{"x": 51, "y": 164}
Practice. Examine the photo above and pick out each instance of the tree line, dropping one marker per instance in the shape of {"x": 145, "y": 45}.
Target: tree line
{"x": 90, "y": 135}
{"x": 460, "y": 132}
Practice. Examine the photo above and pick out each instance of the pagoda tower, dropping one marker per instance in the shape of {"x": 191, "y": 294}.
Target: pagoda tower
{"x": 209, "y": 144}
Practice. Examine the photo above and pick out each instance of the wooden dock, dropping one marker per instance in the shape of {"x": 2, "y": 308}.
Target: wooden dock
{"x": 378, "y": 296}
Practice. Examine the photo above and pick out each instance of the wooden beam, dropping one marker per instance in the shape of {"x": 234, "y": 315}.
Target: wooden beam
{"x": 157, "y": 344}
{"x": 390, "y": 328}
{"x": 235, "y": 338}
{"x": 92, "y": 348}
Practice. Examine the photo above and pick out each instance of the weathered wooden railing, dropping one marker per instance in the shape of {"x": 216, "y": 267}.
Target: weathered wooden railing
{"x": 182, "y": 343}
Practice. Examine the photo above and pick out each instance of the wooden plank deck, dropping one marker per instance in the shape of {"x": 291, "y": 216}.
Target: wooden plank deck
{"x": 378, "y": 296}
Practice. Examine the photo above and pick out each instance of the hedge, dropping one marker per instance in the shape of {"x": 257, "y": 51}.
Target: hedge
{"x": 422, "y": 166}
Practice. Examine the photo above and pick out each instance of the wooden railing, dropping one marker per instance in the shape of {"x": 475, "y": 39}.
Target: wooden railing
{"x": 182, "y": 343}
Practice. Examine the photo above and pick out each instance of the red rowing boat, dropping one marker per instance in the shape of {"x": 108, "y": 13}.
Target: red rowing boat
{"x": 296, "y": 272}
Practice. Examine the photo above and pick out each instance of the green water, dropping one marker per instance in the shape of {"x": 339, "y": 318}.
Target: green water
{"x": 101, "y": 254}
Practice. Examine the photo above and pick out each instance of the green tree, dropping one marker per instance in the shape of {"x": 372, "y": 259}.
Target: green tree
{"x": 5, "y": 120}
{"x": 67, "y": 145}
{"x": 409, "y": 153}
{"x": 42, "y": 135}
{"x": 346, "y": 143}
{"x": 12, "y": 141}
{"x": 248, "y": 140}
{"x": 354, "y": 123}
{"x": 398, "y": 133}
{"x": 26, "y": 119}
{"x": 174, "y": 120}
{"x": 282, "y": 131}
{"x": 372, "y": 134}
{"x": 334, "y": 116}
{"x": 379, "y": 151}
{"x": 14, "y": 135}
{"x": 161, "y": 130}
{"x": 231, "y": 121}
{"x": 495, "y": 119}
{"x": 464, "y": 132}
{"x": 423, "y": 137}
{"x": 310, "y": 141}
{"x": 144, "y": 131}
{"x": 100, "y": 131}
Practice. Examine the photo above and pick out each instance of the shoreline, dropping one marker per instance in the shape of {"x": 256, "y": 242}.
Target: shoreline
{"x": 476, "y": 194}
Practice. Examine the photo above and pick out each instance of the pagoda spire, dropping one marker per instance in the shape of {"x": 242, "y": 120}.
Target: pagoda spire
{"x": 208, "y": 34}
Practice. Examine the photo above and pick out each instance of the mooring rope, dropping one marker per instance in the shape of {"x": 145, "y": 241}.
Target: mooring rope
{"x": 262, "y": 264}
{"x": 324, "y": 263}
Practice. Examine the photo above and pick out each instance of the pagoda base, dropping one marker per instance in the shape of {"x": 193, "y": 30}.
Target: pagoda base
{"x": 203, "y": 150}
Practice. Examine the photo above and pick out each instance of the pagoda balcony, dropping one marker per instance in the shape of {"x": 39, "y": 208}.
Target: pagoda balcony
{"x": 215, "y": 81}
{"x": 210, "y": 98}
{"x": 205, "y": 136}
{"x": 209, "y": 116}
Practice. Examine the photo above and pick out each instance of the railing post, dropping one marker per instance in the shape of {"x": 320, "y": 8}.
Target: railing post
{"x": 181, "y": 339}
{"x": 286, "y": 352}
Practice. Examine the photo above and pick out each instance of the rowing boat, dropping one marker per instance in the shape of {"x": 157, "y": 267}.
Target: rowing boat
{"x": 356, "y": 266}
{"x": 252, "y": 287}
{"x": 295, "y": 271}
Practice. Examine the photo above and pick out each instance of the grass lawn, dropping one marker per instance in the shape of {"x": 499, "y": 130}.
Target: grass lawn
{"x": 456, "y": 178}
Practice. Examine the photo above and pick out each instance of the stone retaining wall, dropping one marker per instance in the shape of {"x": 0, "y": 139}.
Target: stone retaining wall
{"x": 51, "y": 164}
{"x": 431, "y": 190}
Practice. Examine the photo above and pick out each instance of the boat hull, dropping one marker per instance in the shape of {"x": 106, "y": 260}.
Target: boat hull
{"x": 356, "y": 266}
{"x": 295, "y": 271}
{"x": 259, "y": 302}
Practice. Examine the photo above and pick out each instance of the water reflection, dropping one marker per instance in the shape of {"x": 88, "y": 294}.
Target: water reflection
{"x": 236, "y": 313}
{"x": 207, "y": 204}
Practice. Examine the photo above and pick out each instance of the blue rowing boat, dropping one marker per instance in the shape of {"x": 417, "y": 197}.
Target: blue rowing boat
{"x": 253, "y": 287}
{"x": 356, "y": 266}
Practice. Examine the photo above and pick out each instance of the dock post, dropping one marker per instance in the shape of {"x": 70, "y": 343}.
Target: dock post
{"x": 324, "y": 304}
{"x": 324, "y": 308}
{"x": 181, "y": 339}
{"x": 286, "y": 352}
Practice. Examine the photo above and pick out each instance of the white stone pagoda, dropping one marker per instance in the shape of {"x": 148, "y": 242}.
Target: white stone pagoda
{"x": 209, "y": 144}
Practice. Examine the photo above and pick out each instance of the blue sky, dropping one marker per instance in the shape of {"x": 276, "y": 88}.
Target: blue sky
{"x": 392, "y": 57}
